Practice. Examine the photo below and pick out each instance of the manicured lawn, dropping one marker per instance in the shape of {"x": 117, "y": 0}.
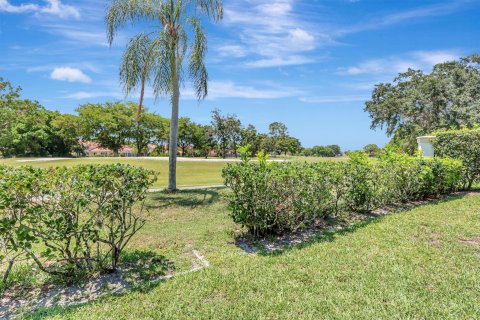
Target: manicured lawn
{"x": 196, "y": 173}
{"x": 189, "y": 173}
{"x": 409, "y": 265}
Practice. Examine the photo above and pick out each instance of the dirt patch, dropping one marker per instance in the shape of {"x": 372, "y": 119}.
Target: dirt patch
{"x": 467, "y": 193}
{"x": 435, "y": 242}
{"x": 473, "y": 242}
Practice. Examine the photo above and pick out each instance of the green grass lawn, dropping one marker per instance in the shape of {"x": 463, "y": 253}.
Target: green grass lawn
{"x": 189, "y": 173}
{"x": 409, "y": 265}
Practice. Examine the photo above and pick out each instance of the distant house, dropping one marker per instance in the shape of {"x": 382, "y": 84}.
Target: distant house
{"x": 93, "y": 149}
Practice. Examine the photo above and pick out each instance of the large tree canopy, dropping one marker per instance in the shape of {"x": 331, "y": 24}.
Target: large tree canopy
{"x": 416, "y": 103}
{"x": 26, "y": 126}
{"x": 110, "y": 124}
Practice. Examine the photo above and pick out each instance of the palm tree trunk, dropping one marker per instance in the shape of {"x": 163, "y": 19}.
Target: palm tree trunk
{"x": 172, "y": 162}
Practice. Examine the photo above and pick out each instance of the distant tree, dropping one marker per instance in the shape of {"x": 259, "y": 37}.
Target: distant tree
{"x": 294, "y": 145}
{"x": 235, "y": 132}
{"x": 371, "y": 149}
{"x": 204, "y": 140}
{"x": 111, "y": 124}
{"x": 67, "y": 127}
{"x": 250, "y": 136}
{"x": 321, "y": 151}
{"x": 186, "y": 134}
{"x": 278, "y": 129}
{"x": 9, "y": 97}
{"x": 157, "y": 56}
{"x": 307, "y": 152}
{"x": 289, "y": 144}
{"x": 266, "y": 143}
{"x": 25, "y": 126}
{"x": 151, "y": 129}
{"x": 416, "y": 103}
{"x": 336, "y": 148}
{"x": 277, "y": 132}
{"x": 221, "y": 131}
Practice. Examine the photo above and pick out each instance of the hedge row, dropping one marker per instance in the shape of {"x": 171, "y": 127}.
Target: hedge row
{"x": 70, "y": 220}
{"x": 463, "y": 145}
{"x": 271, "y": 197}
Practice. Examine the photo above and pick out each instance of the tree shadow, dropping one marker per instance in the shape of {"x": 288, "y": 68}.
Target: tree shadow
{"x": 186, "y": 198}
{"x": 138, "y": 271}
{"x": 142, "y": 268}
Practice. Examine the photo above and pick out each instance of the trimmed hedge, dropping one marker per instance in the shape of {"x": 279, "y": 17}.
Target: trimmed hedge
{"x": 70, "y": 221}
{"x": 463, "y": 145}
{"x": 281, "y": 197}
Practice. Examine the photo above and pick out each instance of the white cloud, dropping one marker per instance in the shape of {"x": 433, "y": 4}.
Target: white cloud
{"x": 70, "y": 75}
{"x": 83, "y": 95}
{"x": 334, "y": 99}
{"x": 232, "y": 50}
{"x": 279, "y": 62}
{"x": 83, "y": 34}
{"x": 418, "y": 60}
{"x": 216, "y": 90}
{"x": 230, "y": 89}
{"x": 270, "y": 33}
{"x": 7, "y": 7}
{"x": 435, "y": 57}
{"x": 402, "y": 16}
{"x": 52, "y": 7}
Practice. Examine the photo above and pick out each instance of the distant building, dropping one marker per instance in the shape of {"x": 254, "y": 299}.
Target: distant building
{"x": 93, "y": 149}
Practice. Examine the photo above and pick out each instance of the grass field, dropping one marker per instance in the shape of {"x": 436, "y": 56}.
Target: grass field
{"x": 189, "y": 173}
{"x": 196, "y": 173}
{"x": 419, "y": 264}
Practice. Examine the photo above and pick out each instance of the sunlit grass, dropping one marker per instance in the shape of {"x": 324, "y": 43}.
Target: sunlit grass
{"x": 409, "y": 265}
{"x": 188, "y": 174}
{"x": 196, "y": 173}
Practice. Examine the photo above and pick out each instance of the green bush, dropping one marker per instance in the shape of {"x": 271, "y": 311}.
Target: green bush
{"x": 16, "y": 193}
{"x": 71, "y": 220}
{"x": 463, "y": 145}
{"x": 279, "y": 197}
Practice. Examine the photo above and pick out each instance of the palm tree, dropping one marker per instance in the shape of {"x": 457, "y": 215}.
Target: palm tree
{"x": 156, "y": 57}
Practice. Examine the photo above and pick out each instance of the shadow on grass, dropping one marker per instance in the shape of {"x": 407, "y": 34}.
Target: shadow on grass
{"x": 185, "y": 198}
{"x": 139, "y": 271}
{"x": 332, "y": 229}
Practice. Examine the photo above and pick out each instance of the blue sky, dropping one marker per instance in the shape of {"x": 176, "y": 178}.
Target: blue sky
{"x": 310, "y": 64}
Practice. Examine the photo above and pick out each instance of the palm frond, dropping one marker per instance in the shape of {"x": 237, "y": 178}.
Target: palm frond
{"x": 162, "y": 73}
{"x": 136, "y": 63}
{"x": 122, "y": 11}
{"x": 196, "y": 66}
{"x": 212, "y": 8}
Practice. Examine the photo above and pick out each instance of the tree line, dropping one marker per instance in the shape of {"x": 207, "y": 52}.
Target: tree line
{"x": 29, "y": 129}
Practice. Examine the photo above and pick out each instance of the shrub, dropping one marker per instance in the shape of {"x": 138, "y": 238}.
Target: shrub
{"x": 16, "y": 192}
{"x": 278, "y": 197}
{"x": 463, "y": 145}
{"x": 82, "y": 217}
